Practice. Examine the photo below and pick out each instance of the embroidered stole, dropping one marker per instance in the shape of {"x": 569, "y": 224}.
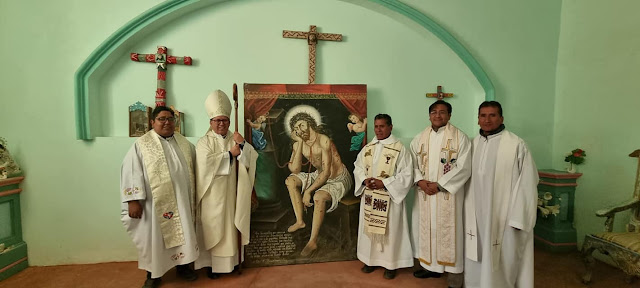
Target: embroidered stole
{"x": 164, "y": 196}
{"x": 376, "y": 202}
{"x": 445, "y": 204}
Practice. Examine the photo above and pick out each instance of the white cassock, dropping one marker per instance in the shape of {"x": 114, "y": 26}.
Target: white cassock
{"x": 452, "y": 182}
{"x": 396, "y": 252}
{"x": 503, "y": 193}
{"x": 220, "y": 213}
{"x": 145, "y": 232}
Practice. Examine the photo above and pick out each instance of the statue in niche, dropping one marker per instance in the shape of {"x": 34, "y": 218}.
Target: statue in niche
{"x": 8, "y": 168}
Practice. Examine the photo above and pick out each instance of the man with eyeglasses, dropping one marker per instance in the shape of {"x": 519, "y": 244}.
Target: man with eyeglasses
{"x": 442, "y": 166}
{"x": 157, "y": 191}
{"x": 223, "y": 197}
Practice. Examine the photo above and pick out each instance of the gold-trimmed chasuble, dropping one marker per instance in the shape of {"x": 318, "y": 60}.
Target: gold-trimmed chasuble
{"x": 445, "y": 205}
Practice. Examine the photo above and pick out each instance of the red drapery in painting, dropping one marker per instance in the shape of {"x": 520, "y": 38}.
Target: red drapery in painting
{"x": 260, "y": 98}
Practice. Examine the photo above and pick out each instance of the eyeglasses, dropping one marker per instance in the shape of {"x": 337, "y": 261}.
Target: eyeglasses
{"x": 442, "y": 113}
{"x": 220, "y": 121}
{"x": 165, "y": 119}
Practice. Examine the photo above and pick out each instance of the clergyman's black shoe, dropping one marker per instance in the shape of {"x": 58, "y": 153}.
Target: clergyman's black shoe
{"x": 426, "y": 274}
{"x": 151, "y": 283}
{"x": 186, "y": 273}
{"x": 367, "y": 269}
{"x": 389, "y": 274}
{"x": 212, "y": 275}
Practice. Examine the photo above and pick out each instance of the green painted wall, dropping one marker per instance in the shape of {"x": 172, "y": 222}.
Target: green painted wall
{"x": 597, "y": 103}
{"x": 70, "y": 199}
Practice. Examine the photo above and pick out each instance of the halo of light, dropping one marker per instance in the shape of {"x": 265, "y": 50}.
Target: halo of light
{"x": 313, "y": 112}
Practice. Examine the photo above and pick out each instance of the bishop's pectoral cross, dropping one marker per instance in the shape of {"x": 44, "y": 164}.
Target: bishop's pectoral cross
{"x": 439, "y": 94}
{"x": 161, "y": 59}
{"x": 496, "y": 244}
{"x": 312, "y": 39}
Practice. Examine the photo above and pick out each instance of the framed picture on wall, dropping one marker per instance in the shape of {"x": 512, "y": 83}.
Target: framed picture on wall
{"x": 139, "y": 119}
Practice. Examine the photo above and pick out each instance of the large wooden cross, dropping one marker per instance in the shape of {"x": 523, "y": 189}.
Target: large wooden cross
{"x": 161, "y": 59}
{"x": 439, "y": 94}
{"x": 312, "y": 39}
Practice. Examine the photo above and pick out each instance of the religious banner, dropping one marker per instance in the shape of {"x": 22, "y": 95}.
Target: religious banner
{"x": 308, "y": 137}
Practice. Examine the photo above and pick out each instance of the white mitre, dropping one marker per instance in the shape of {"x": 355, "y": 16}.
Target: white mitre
{"x": 217, "y": 104}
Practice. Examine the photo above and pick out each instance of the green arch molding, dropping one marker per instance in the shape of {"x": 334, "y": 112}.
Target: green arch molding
{"x": 169, "y": 10}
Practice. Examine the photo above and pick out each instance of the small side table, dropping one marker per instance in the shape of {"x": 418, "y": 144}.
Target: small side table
{"x": 13, "y": 256}
{"x": 554, "y": 229}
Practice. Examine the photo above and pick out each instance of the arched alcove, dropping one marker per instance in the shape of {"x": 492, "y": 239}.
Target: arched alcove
{"x": 101, "y": 76}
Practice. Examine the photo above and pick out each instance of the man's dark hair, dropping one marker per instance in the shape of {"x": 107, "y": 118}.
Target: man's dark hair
{"x": 441, "y": 102}
{"x": 304, "y": 116}
{"x": 386, "y": 117}
{"x": 491, "y": 104}
{"x": 159, "y": 109}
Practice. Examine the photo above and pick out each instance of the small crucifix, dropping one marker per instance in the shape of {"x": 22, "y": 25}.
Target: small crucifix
{"x": 471, "y": 235}
{"x": 161, "y": 59}
{"x": 496, "y": 244}
{"x": 312, "y": 39}
{"x": 439, "y": 94}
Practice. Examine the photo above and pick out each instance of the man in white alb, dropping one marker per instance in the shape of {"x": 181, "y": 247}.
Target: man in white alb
{"x": 157, "y": 186}
{"x": 223, "y": 203}
{"x": 500, "y": 206}
{"x": 442, "y": 163}
{"x": 384, "y": 174}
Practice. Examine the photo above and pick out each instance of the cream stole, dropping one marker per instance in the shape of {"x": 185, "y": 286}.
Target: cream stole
{"x": 445, "y": 204}
{"x": 502, "y": 186}
{"x": 376, "y": 202}
{"x": 164, "y": 196}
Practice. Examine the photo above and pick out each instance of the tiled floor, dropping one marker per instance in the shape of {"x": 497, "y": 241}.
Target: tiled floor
{"x": 552, "y": 270}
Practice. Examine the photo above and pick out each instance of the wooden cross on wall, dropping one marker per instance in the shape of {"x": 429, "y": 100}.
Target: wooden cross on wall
{"x": 161, "y": 59}
{"x": 312, "y": 39}
{"x": 439, "y": 94}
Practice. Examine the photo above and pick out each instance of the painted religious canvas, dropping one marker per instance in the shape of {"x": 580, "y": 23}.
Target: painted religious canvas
{"x": 308, "y": 137}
